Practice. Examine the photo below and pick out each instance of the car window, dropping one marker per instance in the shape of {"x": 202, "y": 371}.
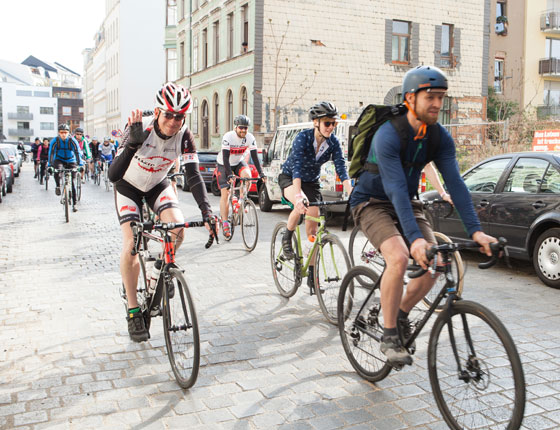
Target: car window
{"x": 483, "y": 178}
{"x": 526, "y": 176}
{"x": 207, "y": 158}
{"x": 290, "y": 137}
{"x": 276, "y": 145}
{"x": 551, "y": 181}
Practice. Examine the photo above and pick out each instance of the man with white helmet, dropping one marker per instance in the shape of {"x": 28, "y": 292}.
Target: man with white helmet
{"x": 150, "y": 147}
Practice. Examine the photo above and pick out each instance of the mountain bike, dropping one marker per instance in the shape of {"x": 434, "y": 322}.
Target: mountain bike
{"x": 66, "y": 188}
{"x": 243, "y": 212}
{"x": 474, "y": 368}
{"x": 327, "y": 255}
{"x": 170, "y": 298}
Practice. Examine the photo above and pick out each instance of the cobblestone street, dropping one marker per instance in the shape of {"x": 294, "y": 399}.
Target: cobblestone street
{"x": 66, "y": 361}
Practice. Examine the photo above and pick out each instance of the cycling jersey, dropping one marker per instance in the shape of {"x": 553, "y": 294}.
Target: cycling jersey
{"x": 106, "y": 150}
{"x": 236, "y": 146}
{"x": 84, "y": 146}
{"x": 43, "y": 153}
{"x": 66, "y": 150}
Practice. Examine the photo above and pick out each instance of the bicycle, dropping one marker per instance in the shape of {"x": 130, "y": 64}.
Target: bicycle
{"x": 170, "y": 298}
{"x": 468, "y": 349}
{"x": 66, "y": 187}
{"x": 105, "y": 171}
{"x": 97, "y": 172}
{"x": 46, "y": 179}
{"x": 327, "y": 255}
{"x": 243, "y": 213}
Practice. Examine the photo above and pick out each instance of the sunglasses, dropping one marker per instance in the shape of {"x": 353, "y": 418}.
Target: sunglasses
{"x": 242, "y": 127}
{"x": 175, "y": 116}
{"x": 329, "y": 123}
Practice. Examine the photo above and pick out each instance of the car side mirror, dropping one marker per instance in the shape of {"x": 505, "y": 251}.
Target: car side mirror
{"x": 4, "y": 163}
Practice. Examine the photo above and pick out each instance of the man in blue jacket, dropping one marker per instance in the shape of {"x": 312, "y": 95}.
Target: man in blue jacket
{"x": 64, "y": 152}
{"x": 383, "y": 198}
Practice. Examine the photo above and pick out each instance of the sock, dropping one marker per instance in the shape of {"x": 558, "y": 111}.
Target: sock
{"x": 388, "y": 332}
{"x": 402, "y": 315}
{"x": 133, "y": 310}
{"x": 289, "y": 233}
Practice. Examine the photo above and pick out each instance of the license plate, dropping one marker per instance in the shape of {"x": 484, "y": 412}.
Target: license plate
{"x": 210, "y": 169}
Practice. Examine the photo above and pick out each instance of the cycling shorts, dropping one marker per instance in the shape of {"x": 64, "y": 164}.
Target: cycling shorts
{"x": 222, "y": 177}
{"x": 128, "y": 200}
{"x": 312, "y": 190}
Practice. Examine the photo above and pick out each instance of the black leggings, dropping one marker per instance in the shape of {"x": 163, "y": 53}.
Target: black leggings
{"x": 57, "y": 164}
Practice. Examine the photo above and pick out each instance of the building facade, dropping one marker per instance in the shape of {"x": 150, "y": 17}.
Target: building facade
{"x": 70, "y": 106}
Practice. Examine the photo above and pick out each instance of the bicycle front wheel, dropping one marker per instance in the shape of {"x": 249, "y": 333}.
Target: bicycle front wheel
{"x": 78, "y": 188}
{"x": 249, "y": 225}
{"x": 47, "y": 182}
{"x": 107, "y": 185}
{"x": 331, "y": 264}
{"x": 475, "y": 371}
{"x": 66, "y": 199}
{"x": 286, "y": 273}
{"x": 362, "y": 252}
{"x": 180, "y": 328}
{"x": 360, "y": 323}
{"x": 141, "y": 288}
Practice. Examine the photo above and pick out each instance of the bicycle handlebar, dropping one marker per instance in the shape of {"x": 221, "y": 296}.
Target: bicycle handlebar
{"x": 328, "y": 203}
{"x": 496, "y": 248}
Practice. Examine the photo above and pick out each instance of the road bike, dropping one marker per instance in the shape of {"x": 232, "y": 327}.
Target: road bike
{"x": 66, "y": 188}
{"x": 243, "y": 212}
{"x": 327, "y": 255}
{"x": 170, "y": 297}
{"x": 105, "y": 173}
{"x": 96, "y": 174}
{"x": 474, "y": 368}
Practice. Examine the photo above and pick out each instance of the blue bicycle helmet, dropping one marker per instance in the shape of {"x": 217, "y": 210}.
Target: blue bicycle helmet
{"x": 423, "y": 78}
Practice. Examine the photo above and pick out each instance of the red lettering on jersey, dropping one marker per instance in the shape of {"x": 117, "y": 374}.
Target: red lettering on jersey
{"x": 164, "y": 198}
{"x": 128, "y": 208}
{"x": 239, "y": 150}
{"x": 155, "y": 163}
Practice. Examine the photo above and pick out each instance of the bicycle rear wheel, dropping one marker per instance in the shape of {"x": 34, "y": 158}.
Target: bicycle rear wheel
{"x": 286, "y": 273}
{"x": 180, "y": 327}
{"x": 106, "y": 178}
{"x": 47, "y": 181}
{"x": 249, "y": 224}
{"x": 66, "y": 198}
{"x": 362, "y": 252}
{"x": 78, "y": 188}
{"x": 331, "y": 264}
{"x": 360, "y": 323}
{"x": 141, "y": 288}
{"x": 489, "y": 391}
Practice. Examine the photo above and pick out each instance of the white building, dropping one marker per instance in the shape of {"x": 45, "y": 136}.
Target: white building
{"x": 126, "y": 66}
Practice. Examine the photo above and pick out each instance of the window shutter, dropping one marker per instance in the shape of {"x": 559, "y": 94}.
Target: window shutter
{"x": 437, "y": 46}
{"x": 388, "y": 41}
{"x": 415, "y": 44}
{"x": 457, "y": 47}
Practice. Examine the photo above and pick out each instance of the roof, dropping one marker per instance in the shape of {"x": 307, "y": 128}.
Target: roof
{"x": 15, "y": 72}
{"x": 35, "y": 62}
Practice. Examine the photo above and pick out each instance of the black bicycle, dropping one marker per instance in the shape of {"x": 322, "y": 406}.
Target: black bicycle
{"x": 473, "y": 364}
{"x": 66, "y": 187}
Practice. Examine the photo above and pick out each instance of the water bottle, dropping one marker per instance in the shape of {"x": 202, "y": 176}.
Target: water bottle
{"x": 235, "y": 204}
{"x": 156, "y": 270}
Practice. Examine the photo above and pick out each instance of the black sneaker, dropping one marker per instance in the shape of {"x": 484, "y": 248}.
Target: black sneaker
{"x": 311, "y": 284}
{"x": 137, "y": 327}
{"x": 405, "y": 331}
{"x": 394, "y": 351}
{"x": 57, "y": 191}
{"x": 287, "y": 245}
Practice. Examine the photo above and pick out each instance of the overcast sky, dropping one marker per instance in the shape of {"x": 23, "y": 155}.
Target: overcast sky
{"x": 51, "y": 30}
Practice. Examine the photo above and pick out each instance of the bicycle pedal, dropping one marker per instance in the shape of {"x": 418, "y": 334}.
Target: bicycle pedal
{"x": 155, "y": 311}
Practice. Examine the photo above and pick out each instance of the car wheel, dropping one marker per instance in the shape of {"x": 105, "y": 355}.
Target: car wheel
{"x": 546, "y": 257}
{"x": 185, "y": 183}
{"x": 264, "y": 202}
{"x": 214, "y": 187}
{"x": 10, "y": 187}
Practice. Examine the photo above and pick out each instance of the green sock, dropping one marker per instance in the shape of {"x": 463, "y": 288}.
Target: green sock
{"x": 133, "y": 310}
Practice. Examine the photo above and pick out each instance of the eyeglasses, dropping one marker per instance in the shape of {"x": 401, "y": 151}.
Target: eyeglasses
{"x": 329, "y": 123}
{"x": 242, "y": 127}
{"x": 175, "y": 116}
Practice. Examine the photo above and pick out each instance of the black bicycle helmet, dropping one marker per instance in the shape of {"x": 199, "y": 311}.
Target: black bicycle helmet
{"x": 323, "y": 109}
{"x": 242, "y": 120}
{"x": 63, "y": 127}
{"x": 79, "y": 130}
{"x": 423, "y": 78}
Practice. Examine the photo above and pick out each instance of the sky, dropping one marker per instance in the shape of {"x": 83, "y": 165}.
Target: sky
{"x": 50, "y": 30}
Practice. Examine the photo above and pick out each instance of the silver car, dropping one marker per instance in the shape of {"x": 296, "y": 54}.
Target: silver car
{"x": 13, "y": 155}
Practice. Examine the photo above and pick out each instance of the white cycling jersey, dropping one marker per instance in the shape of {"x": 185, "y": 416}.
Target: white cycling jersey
{"x": 237, "y": 147}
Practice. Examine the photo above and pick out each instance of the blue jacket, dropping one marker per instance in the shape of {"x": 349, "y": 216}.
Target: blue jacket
{"x": 395, "y": 184}
{"x": 67, "y": 151}
{"x": 302, "y": 164}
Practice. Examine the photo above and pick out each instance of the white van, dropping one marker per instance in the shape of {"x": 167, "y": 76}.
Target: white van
{"x": 278, "y": 151}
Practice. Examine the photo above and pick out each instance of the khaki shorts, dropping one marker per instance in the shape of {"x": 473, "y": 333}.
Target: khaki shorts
{"x": 379, "y": 221}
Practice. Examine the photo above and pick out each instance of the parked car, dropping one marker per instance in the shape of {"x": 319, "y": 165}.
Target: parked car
{"x": 3, "y": 178}
{"x": 516, "y": 196}
{"x": 254, "y": 188}
{"x": 206, "y": 165}
{"x": 8, "y": 173}
{"x": 18, "y": 146}
{"x": 6, "y": 153}
{"x": 10, "y": 151}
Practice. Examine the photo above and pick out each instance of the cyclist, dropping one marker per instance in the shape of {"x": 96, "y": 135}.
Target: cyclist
{"x": 43, "y": 157}
{"x": 107, "y": 151}
{"x": 34, "y": 148}
{"x": 64, "y": 152}
{"x": 94, "y": 150}
{"x": 149, "y": 148}
{"x": 235, "y": 144}
{"x": 299, "y": 179}
{"x": 384, "y": 198}
{"x": 84, "y": 147}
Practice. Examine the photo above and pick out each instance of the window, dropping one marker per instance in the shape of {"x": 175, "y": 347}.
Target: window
{"x": 444, "y": 116}
{"x": 551, "y": 93}
{"x": 401, "y": 42}
{"x": 195, "y": 54}
{"x": 22, "y": 125}
{"x": 171, "y": 12}
{"x": 205, "y": 48}
{"x": 46, "y": 111}
{"x": 484, "y": 178}
{"x": 499, "y": 75}
{"x": 66, "y": 110}
{"x": 229, "y": 110}
{"x": 501, "y": 17}
{"x": 182, "y": 59}
{"x": 216, "y": 113}
{"x": 551, "y": 181}
{"x": 245, "y": 28}
{"x": 216, "y": 42}
{"x": 447, "y": 45}
{"x": 23, "y": 109}
{"x": 552, "y": 48}
{"x": 24, "y": 93}
{"x": 41, "y": 94}
{"x": 526, "y": 176}
{"x": 195, "y": 117}
{"x": 230, "y": 35}
{"x": 171, "y": 64}
{"x": 47, "y": 126}
{"x": 244, "y": 100}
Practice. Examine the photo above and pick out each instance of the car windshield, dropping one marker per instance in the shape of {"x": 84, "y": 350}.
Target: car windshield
{"x": 207, "y": 158}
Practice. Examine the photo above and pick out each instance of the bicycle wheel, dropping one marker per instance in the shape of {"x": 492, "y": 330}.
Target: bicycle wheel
{"x": 286, "y": 273}
{"x": 360, "y": 324}
{"x": 78, "y": 188}
{"x": 66, "y": 198}
{"x": 457, "y": 270}
{"x": 106, "y": 178}
{"x": 180, "y": 328}
{"x": 489, "y": 390}
{"x": 331, "y": 264}
{"x": 362, "y": 252}
{"x": 249, "y": 225}
{"x": 47, "y": 182}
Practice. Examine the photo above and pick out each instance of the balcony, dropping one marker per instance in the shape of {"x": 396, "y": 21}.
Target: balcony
{"x": 20, "y": 116}
{"x": 550, "y": 22}
{"x": 549, "y": 67}
{"x": 545, "y": 111}
{"x": 21, "y": 132}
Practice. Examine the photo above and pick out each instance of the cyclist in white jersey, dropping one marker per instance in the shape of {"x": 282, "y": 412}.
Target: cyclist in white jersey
{"x": 235, "y": 144}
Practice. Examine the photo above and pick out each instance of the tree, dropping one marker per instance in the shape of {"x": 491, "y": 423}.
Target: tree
{"x": 498, "y": 108}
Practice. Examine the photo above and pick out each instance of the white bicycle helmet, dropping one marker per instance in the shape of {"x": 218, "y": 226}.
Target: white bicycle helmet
{"x": 174, "y": 98}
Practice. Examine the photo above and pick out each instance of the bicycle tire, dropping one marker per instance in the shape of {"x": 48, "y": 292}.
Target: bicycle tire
{"x": 249, "y": 225}
{"x": 362, "y": 252}
{"x": 483, "y": 365}
{"x": 458, "y": 271}
{"x": 331, "y": 265}
{"x": 66, "y": 199}
{"x": 180, "y": 328}
{"x": 106, "y": 178}
{"x": 359, "y": 313}
{"x": 78, "y": 188}
{"x": 286, "y": 273}
{"x": 47, "y": 182}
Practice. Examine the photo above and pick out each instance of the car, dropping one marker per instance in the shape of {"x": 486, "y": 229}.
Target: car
{"x": 8, "y": 173}
{"x": 18, "y": 146}
{"x": 6, "y": 155}
{"x": 206, "y": 165}
{"x": 254, "y": 188}
{"x": 11, "y": 153}
{"x": 517, "y": 196}
{"x": 3, "y": 178}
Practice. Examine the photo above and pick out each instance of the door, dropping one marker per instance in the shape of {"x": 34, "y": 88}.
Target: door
{"x": 205, "y": 135}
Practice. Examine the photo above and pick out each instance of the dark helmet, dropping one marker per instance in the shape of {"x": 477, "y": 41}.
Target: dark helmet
{"x": 242, "y": 120}
{"x": 63, "y": 127}
{"x": 323, "y": 109}
{"x": 79, "y": 130}
{"x": 423, "y": 78}
{"x": 37, "y": 139}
